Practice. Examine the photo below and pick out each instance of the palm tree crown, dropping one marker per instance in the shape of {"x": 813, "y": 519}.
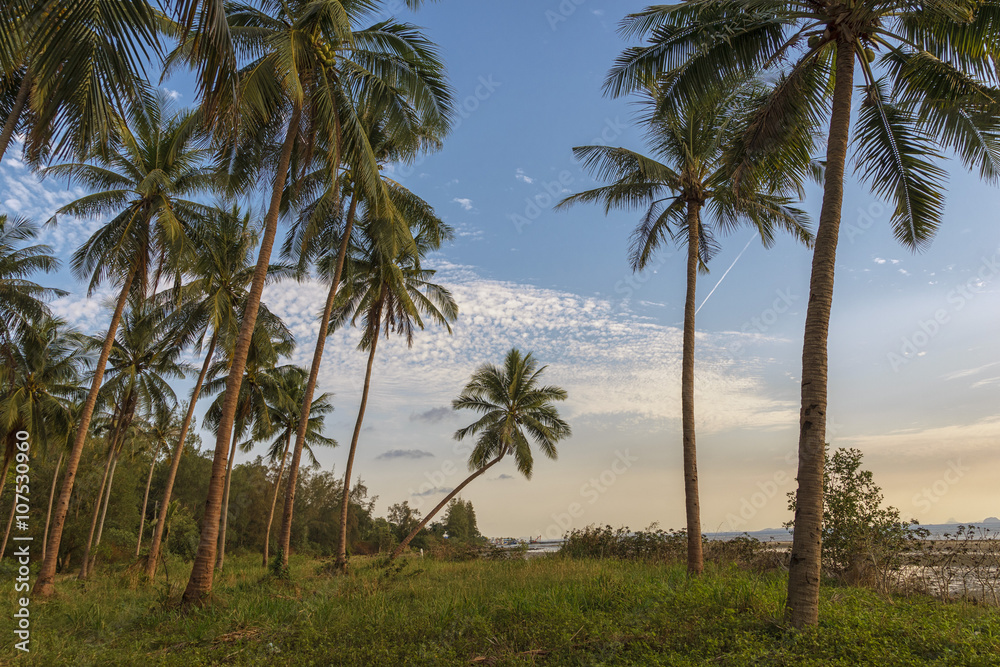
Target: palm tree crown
{"x": 21, "y": 300}
{"x": 516, "y": 411}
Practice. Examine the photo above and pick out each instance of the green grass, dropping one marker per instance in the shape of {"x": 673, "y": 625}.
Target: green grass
{"x": 547, "y": 611}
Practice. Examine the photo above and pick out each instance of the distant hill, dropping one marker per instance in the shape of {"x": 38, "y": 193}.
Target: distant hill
{"x": 991, "y": 519}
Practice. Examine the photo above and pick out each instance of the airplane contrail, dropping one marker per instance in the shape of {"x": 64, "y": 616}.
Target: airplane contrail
{"x": 724, "y": 276}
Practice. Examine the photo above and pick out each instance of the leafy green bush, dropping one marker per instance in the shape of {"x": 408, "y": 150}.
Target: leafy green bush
{"x": 182, "y": 532}
{"x": 863, "y": 542}
{"x": 652, "y": 544}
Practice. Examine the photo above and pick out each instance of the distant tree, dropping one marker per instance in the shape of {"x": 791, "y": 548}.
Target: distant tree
{"x": 460, "y": 520}
{"x": 403, "y": 519}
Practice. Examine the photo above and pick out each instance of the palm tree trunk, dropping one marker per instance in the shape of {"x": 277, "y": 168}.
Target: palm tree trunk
{"x": 274, "y": 498}
{"x": 145, "y": 501}
{"x": 200, "y": 583}
{"x": 43, "y": 586}
{"x": 341, "y": 563}
{"x": 97, "y": 514}
{"x": 15, "y": 113}
{"x": 285, "y": 538}
{"x": 104, "y": 513}
{"x": 48, "y": 513}
{"x": 225, "y": 503}
{"x": 447, "y": 499}
{"x": 6, "y": 468}
{"x": 695, "y": 558}
{"x": 802, "y": 604}
{"x": 161, "y": 519}
{"x": 10, "y": 522}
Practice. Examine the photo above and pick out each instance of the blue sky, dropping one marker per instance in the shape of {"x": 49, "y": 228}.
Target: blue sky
{"x": 914, "y": 359}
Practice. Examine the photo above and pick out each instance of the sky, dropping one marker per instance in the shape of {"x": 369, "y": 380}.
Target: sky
{"x": 914, "y": 354}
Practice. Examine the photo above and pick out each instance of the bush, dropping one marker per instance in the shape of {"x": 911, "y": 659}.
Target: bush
{"x": 652, "y": 544}
{"x": 863, "y": 542}
{"x": 457, "y": 551}
{"x": 183, "y": 535}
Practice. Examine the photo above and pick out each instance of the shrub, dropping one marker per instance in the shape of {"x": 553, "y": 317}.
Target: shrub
{"x": 652, "y": 544}
{"x": 863, "y": 542}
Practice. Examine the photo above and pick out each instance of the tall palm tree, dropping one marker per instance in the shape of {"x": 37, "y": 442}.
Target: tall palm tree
{"x": 283, "y": 411}
{"x": 932, "y": 88}
{"x": 67, "y": 67}
{"x": 323, "y": 233}
{"x": 142, "y": 360}
{"x": 515, "y": 410}
{"x": 307, "y": 61}
{"x": 156, "y": 162}
{"x": 21, "y": 300}
{"x": 693, "y": 179}
{"x": 221, "y": 267}
{"x": 387, "y": 294}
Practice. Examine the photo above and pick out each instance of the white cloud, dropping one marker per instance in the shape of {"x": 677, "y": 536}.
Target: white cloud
{"x": 172, "y": 94}
{"x": 521, "y": 176}
{"x": 612, "y": 363}
{"x": 464, "y": 203}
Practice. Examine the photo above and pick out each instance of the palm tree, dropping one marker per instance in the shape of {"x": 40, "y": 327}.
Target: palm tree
{"x": 307, "y": 61}
{"x": 515, "y": 410}
{"x": 21, "y": 300}
{"x": 37, "y": 386}
{"x": 156, "y": 161}
{"x": 220, "y": 265}
{"x": 142, "y": 360}
{"x": 63, "y": 430}
{"x": 931, "y": 89}
{"x": 387, "y": 293}
{"x": 163, "y": 429}
{"x": 67, "y": 66}
{"x": 212, "y": 51}
{"x": 693, "y": 178}
{"x": 313, "y": 237}
{"x": 284, "y": 423}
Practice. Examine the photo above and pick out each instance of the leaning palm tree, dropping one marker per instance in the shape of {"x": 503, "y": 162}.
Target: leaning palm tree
{"x": 307, "y": 61}
{"x": 21, "y": 300}
{"x": 933, "y": 88}
{"x": 515, "y": 410}
{"x": 387, "y": 294}
{"x": 156, "y": 162}
{"x": 220, "y": 265}
{"x": 283, "y": 411}
{"x": 691, "y": 180}
{"x": 67, "y": 66}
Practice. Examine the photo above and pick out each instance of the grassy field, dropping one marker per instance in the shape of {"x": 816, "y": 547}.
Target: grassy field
{"x": 544, "y": 611}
